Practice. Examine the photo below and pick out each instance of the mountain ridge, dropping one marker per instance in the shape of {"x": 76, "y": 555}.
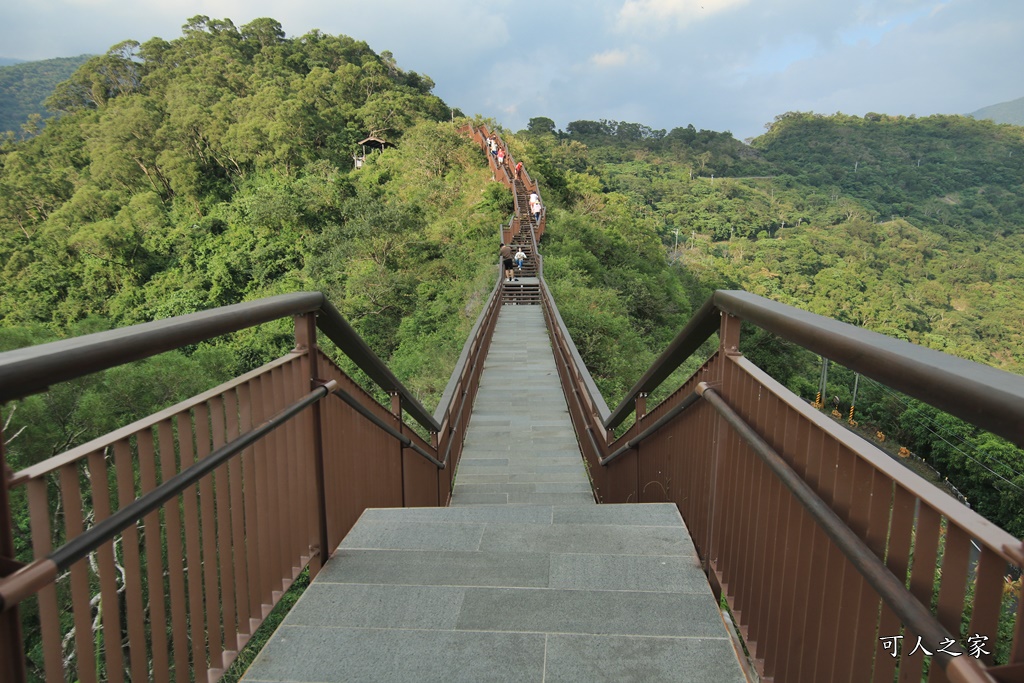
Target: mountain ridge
{"x": 1011, "y": 112}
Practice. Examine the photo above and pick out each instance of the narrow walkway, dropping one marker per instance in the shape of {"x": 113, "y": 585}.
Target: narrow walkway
{"x": 520, "y": 446}
{"x": 523, "y": 579}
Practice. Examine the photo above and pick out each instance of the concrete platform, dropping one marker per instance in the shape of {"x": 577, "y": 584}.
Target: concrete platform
{"x": 507, "y": 593}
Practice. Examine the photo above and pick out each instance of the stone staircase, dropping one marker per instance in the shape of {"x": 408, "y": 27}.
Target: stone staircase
{"x": 525, "y": 292}
{"x": 523, "y": 202}
{"x": 525, "y": 289}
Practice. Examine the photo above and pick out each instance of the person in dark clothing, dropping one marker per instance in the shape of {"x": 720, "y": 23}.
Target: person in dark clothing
{"x": 506, "y": 262}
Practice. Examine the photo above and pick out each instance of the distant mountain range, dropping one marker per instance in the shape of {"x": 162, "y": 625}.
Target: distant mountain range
{"x": 25, "y": 85}
{"x": 1005, "y": 112}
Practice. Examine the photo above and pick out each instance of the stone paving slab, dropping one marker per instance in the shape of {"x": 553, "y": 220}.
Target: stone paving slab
{"x": 438, "y": 568}
{"x": 424, "y": 536}
{"x": 593, "y": 612}
{"x": 592, "y": 538}
{"x": 658, "y": 573}
{"x": 378, "y": 606}
{"x": 314, "y": 655}
{"x": 603, "y": 659}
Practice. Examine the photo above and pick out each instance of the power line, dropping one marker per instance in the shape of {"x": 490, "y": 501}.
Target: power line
{"x": 904, "y": 402}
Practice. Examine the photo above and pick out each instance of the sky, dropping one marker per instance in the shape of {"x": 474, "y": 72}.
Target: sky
{"x": 722, "y": 65}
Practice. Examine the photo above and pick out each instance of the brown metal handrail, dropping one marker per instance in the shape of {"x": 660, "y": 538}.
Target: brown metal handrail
{"x": 977, "y": 393}
{"x": 33, "y": 369}
{"x": 273, "y": 495}
{"x": 760, "y": 547}
{"x": 391, "y": 431}
{"x": 914, "y": 615}
{"x": 33, "y": 576}
{"x": 650, "y": 431}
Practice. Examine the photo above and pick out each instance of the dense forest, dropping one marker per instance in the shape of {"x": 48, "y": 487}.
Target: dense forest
{"x": 906, "y": 226}
{"x": 218, "y": 167}
{"x": 23, "y": 89}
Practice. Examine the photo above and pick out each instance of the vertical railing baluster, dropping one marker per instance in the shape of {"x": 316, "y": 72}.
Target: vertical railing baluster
{"x": 266, "y": 507}
{"x": 238, "y": 539}
{"x": 297, "y": 546}
{"x": 770, "y": 586}
{"x": 193, "y": 552}
{"x": 225, "y": 543}
{"x": 208, "y": 531}
{"x": 279, "y": 483}
{"x": 175, "y": 554}
{"x": 807, "y": 567}
{"x": 49, "y": 612}
{"x": 790, "y": 620}
{"x": 85, "y": 654}
{"x": 872, "y": 503}
{"x": 253, "y": 534}
{"x": 106, "y": 562}
{"x": 922, "y": 584}
{"x": 152, "y": 532}
{"x": 137, "y": 650}
{"x": 833, "y": 569}
{"x": 305, "y": 340}
{"x": 898, "y": 556}
{"x": 988, "y": 601}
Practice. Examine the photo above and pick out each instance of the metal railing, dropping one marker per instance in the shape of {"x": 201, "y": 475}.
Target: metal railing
{"x": 479, "y": 135}
{"x": 829, "y": 553}
{"x": 200, "y": 516}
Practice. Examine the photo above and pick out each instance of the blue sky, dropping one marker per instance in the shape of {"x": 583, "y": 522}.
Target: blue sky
{"x": 718, "y": 64}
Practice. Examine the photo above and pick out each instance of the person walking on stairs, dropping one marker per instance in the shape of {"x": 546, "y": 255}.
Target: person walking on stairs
{"x": 520, "y": 257}
{"x": 506, "y": 261}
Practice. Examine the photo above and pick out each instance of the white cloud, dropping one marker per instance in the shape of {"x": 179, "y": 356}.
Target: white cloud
{"x": 653, "y": 13}
{"x": 612, "y": 58}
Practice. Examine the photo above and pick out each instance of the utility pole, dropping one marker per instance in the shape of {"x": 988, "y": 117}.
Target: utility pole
{"x": 819, "y": 401}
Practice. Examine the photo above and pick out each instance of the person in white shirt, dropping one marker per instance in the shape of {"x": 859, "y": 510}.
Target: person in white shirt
{"x": 520, "y": 257}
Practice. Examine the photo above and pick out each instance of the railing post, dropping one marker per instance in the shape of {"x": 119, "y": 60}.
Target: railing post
{"x": 305, "y": 340}
{"x": 640, "y": 403}
{"x": 12, "y": 659}
{"x": 396, "y": 410}
{"x": 729, "y": 335}
{"x": 728, "y": 345}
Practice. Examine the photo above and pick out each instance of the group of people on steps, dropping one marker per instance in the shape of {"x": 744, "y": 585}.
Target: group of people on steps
{"x": 509, "y": 261}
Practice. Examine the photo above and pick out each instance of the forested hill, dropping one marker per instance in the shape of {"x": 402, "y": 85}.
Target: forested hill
{"x": 216, "y": 168}
{"x": 946, "y": 173}
{"x": 1004, "y": 112}
{"x": 24, "y": 87}
{"x": 909, "y": 227}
